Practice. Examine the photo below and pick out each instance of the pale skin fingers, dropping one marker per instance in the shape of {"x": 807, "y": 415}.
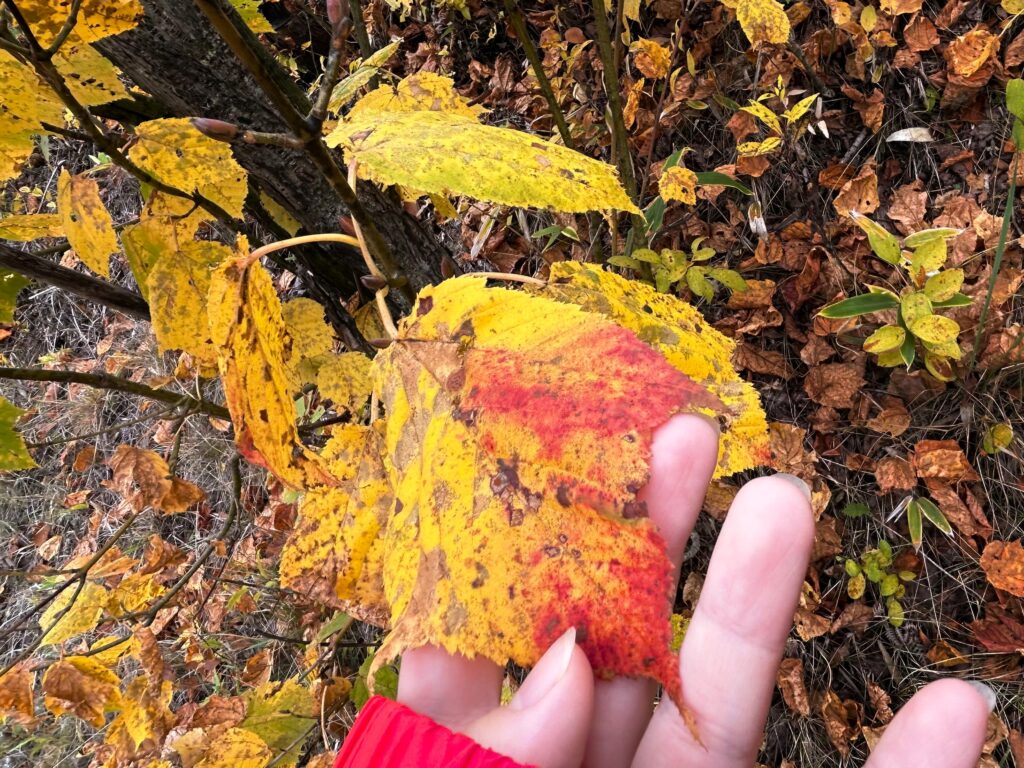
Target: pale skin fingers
{"x": 942, "y": 726}
{"x": 734, "y": 641}
{"x": 685, "y": 451}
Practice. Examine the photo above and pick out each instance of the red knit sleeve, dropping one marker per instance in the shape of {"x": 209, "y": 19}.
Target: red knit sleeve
{"x": 387, "y": 734}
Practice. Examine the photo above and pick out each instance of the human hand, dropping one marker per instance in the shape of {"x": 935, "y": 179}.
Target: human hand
{"x": 561, "y": 716}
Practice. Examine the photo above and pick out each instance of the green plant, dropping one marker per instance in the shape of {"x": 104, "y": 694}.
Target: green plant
{"x": 929, "y": 287}
{"x": 875, "y": 566}
{"x": 669, "y": 268}
{"x": 921, "y": 509}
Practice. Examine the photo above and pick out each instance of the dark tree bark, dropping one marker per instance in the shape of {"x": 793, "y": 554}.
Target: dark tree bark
{"x": 178, "y": 58}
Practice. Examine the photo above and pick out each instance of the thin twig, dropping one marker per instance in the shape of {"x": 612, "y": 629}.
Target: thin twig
{"x": 118, "y": 383}
{"x": 293, "y": 108}
{"x": 620, "y": 143}
{"x": 69, "y": 25}
{"x": 274, "y": 139}
{"x": 339, "y": 31}
{"x": 515, "y": 17}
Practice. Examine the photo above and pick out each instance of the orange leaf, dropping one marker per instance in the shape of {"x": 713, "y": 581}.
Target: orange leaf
{"x": 1003, "y": 563}
{"x": 143, "y": 478}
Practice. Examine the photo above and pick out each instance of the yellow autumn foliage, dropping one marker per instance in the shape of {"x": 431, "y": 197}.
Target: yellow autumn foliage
{"x": 422, "y": 136}
{"x": 86, "y": 222}
{"x": 179, "y": 155}
{"x": 248, "y": 330}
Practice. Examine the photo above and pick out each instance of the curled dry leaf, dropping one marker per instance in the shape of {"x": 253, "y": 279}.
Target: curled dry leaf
{"x": 1003, "y": 563}
{"x": 82, "y": 686}
{"x": 16, "y": 699}
{"x": 968, "y": 53}
{"x": 894, "y": 474}
{"x": 942, "y": 460}
{"x": 859, "y": 194}
{"x": 143, "y": 479}
{"x": 880, "y": 702}
{"x": 834, "y": 384}
{"x": 790, "y": 679}
{"x": 842, "y": 721}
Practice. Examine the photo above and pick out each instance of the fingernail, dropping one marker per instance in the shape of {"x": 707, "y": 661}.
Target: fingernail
{"x": 549, "y": 670}
{"x": 985, "y": 692}
{"x": 796, "y": 482}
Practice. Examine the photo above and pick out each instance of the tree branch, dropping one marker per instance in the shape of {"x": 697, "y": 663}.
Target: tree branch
{"x": 293, "y": 107}
{"x": 518, "y": 23}
{"x": 117, "y": 383}
{"x": 109, "y": 295}
{"x": 617, "y": 125}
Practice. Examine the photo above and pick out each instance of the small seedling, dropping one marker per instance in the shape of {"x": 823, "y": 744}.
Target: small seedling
{"x": 875, "y": 566}
{"x": 669, "y": 268}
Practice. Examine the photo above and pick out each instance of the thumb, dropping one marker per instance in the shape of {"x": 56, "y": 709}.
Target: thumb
{"x": 547, "y": 721}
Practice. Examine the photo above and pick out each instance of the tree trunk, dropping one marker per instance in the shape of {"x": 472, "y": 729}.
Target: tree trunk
{"x": 178, "y": 58}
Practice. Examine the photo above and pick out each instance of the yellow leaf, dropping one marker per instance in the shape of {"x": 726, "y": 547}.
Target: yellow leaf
{"x": 143, "y": 479}
{"x": 30, "y": 226}
{"x": 309, "y": 336}
{"x": 249, "y": 10}
{"x": 134, "y": 592}
{"x": 166, "y": 223}
{"x": 368, "y": 322}
{"x": 1012, "y": 7}
{"x": 651, "y": 59}
{"x": 78, "y": 610}
{"x": 345, "y": 379}
{"x": 756, "y": 148}
{"x": 969, "y": 53}
{"x": 434, "y": 152}
{"x": 679, "y": 332}
{"x": 81, "y": 686}
{"x": 13, "y": 454}
{"x": 800, "y": 109}
{"x": 935, "y": 329}
{"x": 868, "y": 18}
{"x": 678, "y": 183}
{"x": 334, "y": 555}
{"x": 422, "y": 92}
{"x": 944, "y": 285}
{"x": 940, "y": 367}
{"x": 177, "y": 286}
{"x": 27, "y": 103}
{"x": 884, "y": 339}
{"x": 236, "y": 748}
{"x": 248, "y": 331}
{"x": 16, "y": 700}
{"x": 929, "y": 257}
{"x": 145, "y": 710}
{"x": 913, "y": 306}
{"x": 631, "y": 10}
{"x": 765, "y": 115}
{"x": 179, "y": 155}
{"x": 91, "y": 77}
{"x": 763, "y": 21}
{"x": 96, "y": 18}
{"x": 11, "y": 284}
{"x": 279, "y": 713}
{"x": 281, "y": 217}
{"x": 514, "y": 501}
{"x": 89, "y": 228}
